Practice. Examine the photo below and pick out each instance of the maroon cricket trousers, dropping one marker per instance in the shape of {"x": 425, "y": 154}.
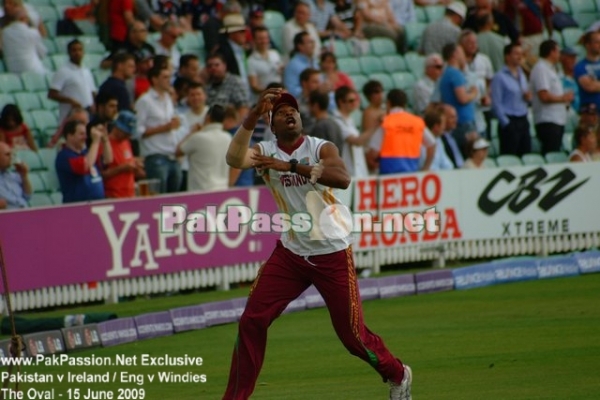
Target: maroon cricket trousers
{"x": 282, "y": 279}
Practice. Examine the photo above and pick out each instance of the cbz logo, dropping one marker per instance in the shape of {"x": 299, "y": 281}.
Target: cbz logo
{"x": 529, "y": 191}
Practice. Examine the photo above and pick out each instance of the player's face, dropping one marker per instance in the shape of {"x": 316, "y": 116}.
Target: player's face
{"x": 286, "y": 120}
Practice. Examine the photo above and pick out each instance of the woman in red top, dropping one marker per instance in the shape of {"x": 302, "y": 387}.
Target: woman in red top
{"x": 14, "y": 131}
{"x": 331, "y": 75}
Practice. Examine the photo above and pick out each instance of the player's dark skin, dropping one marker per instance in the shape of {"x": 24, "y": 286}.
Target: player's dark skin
{"x": 287, "y": 125}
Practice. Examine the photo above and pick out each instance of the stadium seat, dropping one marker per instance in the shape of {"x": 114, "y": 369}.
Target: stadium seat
{"x": 10, "y": 83}
{"x": 40, "y": 200}
{"x": 48, "y": 156}
{"x": 51, "y": 180}
{"x": 536, "y": 146}
{"x": 585, "y": 20}
{"x": 414, "y": 31}
{"x": 563, "y": 5}
{"x": 87, "y": 27}
{"x": 27, "y": 101}
{"x": 403, "y": 80}
{"x": 46, "y": 103}
{"x": 415, "y": 63}
{"x": 48, "y": 13}
{"x": 44, "y": 119}
{"x": 50, "y": 46}
{"x": 48, "y": 65}
{"x": 34, "y": 82}
{"x": 92, "y": 61}
{"x": 508, "y": 160}
{"x": 37, "y": 182}
{"x": 533, "y": 159}
{"x": 31, "y": 158}
{"x": 582, "y": 6}
{"x": 61, "y": 43}
{"x": 371, "y": 65}
{"x": 28, "y": 120}
{"x": 385, "y": 79}
{"x": 420, "y": 14}
{"x": 495, "y": 147}
{"x": 5, "y": 99}
{"x": 349, "y": 65}
{"x": 273, "y": 19}
{"x": 100, "y": 75}
{"x": 359, "y": 81}
{"x": 393, "y": 63}
{"x": 64, "y": 3}
{"x": 567, "y": 142}
{"x": 95, "y": 47}
{"x": 571, "y": 36}
{"x": 58, "y": 60}
{"x": 489, "y": 162}
{"x": 380, "y": 46}
{"x": 56, "y": 197}
{"x": 339, "y": 47}
{"x": 276, "y": 35}
{"x": 189, "y": 43}
{"x": 434, "y": 12}
{"x": 556, "y": 157}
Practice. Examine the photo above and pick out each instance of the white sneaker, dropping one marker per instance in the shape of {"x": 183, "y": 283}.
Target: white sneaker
{"x": 402, "y": 391}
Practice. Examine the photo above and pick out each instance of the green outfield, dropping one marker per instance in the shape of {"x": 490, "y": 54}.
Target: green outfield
{"x": 530, "y": 340}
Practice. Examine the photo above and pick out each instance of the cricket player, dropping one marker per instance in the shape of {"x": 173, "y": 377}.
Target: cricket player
{"x": 296, "y": 168}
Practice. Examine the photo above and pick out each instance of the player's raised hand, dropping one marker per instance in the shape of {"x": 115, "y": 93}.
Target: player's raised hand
{"x": 266, "y": 100}
{"x": 316, "y": 172}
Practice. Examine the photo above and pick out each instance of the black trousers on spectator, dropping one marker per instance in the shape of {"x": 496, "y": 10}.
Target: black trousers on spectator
{"x": 514, "y": 137}
{"x": 550, "y": 136}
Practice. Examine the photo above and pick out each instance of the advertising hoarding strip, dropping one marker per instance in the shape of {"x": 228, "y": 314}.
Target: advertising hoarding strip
{"x": 126, "y": 330}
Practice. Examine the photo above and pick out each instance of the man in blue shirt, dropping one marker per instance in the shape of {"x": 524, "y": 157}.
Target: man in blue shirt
{"x": 76, "y": 165}
{"x": 304, "y": 47}
{"x": 510, "y": 103}
{"x": 455, "y": 90}
{"x": 15, "y": 187}
{"x": 587, "y": 71}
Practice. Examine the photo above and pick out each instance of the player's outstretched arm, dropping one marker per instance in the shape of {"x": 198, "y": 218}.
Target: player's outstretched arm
{"x": 239, "y": 153}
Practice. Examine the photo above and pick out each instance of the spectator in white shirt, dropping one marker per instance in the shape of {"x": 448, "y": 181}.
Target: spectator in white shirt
{"x": 11, "y": 7}
{"x": 424, "y": 88}
{"x": 550, "y": 101}
{"x": 166, "y": 44}
{"x": 206, "y": 150}
{"x": 72, "y": 85}
{"x": 300, "y": 22}
{"x": 264, "y": 64}
{"x": 157, "y": 127}
{"x": 22, "y": 46}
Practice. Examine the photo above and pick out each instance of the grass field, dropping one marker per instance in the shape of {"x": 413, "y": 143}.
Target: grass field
{"x": 530, "y": 340}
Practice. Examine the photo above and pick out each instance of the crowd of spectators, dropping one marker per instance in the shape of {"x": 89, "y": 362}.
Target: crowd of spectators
{"x": 492, "y": 80}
